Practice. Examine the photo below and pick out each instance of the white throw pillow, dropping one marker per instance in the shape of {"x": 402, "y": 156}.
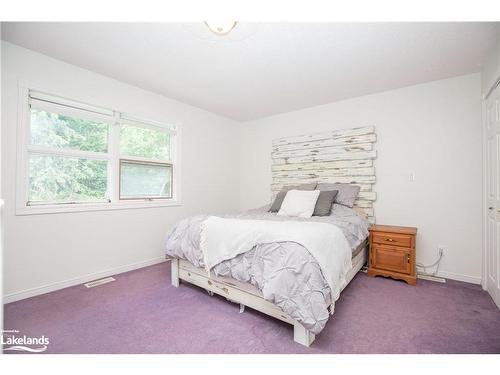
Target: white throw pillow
{"x": 299, "y": 203}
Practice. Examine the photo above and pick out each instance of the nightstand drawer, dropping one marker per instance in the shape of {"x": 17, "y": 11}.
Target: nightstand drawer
{"x": 391, "y": 258}
{"x": 393, "y": 239}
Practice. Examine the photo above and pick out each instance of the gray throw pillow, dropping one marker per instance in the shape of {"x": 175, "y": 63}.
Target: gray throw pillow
{"x": 324, "y": 203}
{"x": 275, "y": 207}
{"x": 347, "y": 193}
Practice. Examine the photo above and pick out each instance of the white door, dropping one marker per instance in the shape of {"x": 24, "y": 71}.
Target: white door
{"x": 492, "y": 268}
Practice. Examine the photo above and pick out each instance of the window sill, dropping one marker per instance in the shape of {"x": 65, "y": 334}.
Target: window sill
{"x": 85, "y": 207}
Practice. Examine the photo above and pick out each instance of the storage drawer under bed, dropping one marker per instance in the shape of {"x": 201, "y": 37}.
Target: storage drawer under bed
{"x": 230, "y": 291}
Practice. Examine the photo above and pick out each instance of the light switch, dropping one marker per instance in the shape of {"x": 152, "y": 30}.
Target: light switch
{"x": 412, "y": 176}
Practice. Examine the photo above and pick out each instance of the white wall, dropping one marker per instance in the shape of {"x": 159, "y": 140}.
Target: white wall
{"x": 49, "y": 250}
{"x": 432, "y": 129}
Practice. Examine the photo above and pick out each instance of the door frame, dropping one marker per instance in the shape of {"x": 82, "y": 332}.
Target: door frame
{"x": 484, "y": 216}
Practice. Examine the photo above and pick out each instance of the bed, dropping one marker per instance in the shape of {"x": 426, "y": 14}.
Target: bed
{"x": 248, "y": 280}
{"x": 283, "y": 279}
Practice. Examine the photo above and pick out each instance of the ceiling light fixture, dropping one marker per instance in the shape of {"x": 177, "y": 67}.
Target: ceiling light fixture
{"x": 221, "y": 28}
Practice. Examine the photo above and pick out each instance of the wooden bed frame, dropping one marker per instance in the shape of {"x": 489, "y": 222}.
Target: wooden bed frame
{"x": 248, "y": 295}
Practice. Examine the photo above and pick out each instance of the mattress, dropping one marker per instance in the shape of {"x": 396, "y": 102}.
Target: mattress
{"x": 359, "y": 248}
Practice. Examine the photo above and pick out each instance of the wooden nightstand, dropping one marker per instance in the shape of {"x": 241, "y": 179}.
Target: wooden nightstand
{"x": 392, "y": 252}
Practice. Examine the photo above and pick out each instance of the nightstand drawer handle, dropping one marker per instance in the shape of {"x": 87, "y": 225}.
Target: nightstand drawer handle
{"x": 389, "y": 239}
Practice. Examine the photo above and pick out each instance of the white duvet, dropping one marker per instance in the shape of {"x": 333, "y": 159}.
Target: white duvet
{"x": 225, "y": 238}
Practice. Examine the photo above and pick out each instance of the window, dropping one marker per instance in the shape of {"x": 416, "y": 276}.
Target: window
{"x": 145, "y": 180}
{"x": 145, "y": 167}
{"x": 67, "y": 156}
{"x": 75, "y": 156}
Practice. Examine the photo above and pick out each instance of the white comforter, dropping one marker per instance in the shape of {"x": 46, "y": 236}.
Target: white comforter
{"x": 225, "y": 238}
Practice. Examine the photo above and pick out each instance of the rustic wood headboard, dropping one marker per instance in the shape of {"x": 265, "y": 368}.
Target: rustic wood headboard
{"x": 345, "y": 156}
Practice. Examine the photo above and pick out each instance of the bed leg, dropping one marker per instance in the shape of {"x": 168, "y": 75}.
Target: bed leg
{"x": 302, "y": 336}
{"x": 175, "y": 272}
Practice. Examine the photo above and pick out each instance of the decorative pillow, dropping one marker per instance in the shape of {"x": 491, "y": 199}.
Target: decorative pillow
{"x": 299, "y": 203}
{"x": 347, "y": 193}
{"x": 324, "y": 203}
{"x": 275, "y": 207}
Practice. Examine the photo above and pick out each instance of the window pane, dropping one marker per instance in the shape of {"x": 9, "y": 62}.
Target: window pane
{"x": 141, "y": 180}
{"x": 54, "y": 130}
{"x": 66, "y": 179}
{"x": 145, "y": 143}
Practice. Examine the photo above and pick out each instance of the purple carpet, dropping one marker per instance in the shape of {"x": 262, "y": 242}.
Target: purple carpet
{"x": 142, "y": 313}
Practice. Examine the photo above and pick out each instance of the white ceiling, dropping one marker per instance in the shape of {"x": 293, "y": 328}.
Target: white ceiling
{"x": 264, "y": 69}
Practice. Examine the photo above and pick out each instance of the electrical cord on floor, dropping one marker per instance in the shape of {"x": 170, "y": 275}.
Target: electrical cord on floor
{"x": 437, "y": 262}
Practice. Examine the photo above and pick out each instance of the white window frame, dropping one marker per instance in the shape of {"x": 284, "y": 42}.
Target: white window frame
{"x": 113, "y": 157}
{"x": 130, "y": 121}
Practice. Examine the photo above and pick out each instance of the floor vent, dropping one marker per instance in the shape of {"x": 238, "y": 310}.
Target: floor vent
{"x": 99, "y": 282}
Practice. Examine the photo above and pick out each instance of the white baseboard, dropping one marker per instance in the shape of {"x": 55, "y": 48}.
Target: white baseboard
{"x": 16, "y": 296}
{"x": 459, "y": 277}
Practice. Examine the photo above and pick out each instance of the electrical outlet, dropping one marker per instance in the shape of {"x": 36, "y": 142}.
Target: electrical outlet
{"x": 440, "y": 251}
